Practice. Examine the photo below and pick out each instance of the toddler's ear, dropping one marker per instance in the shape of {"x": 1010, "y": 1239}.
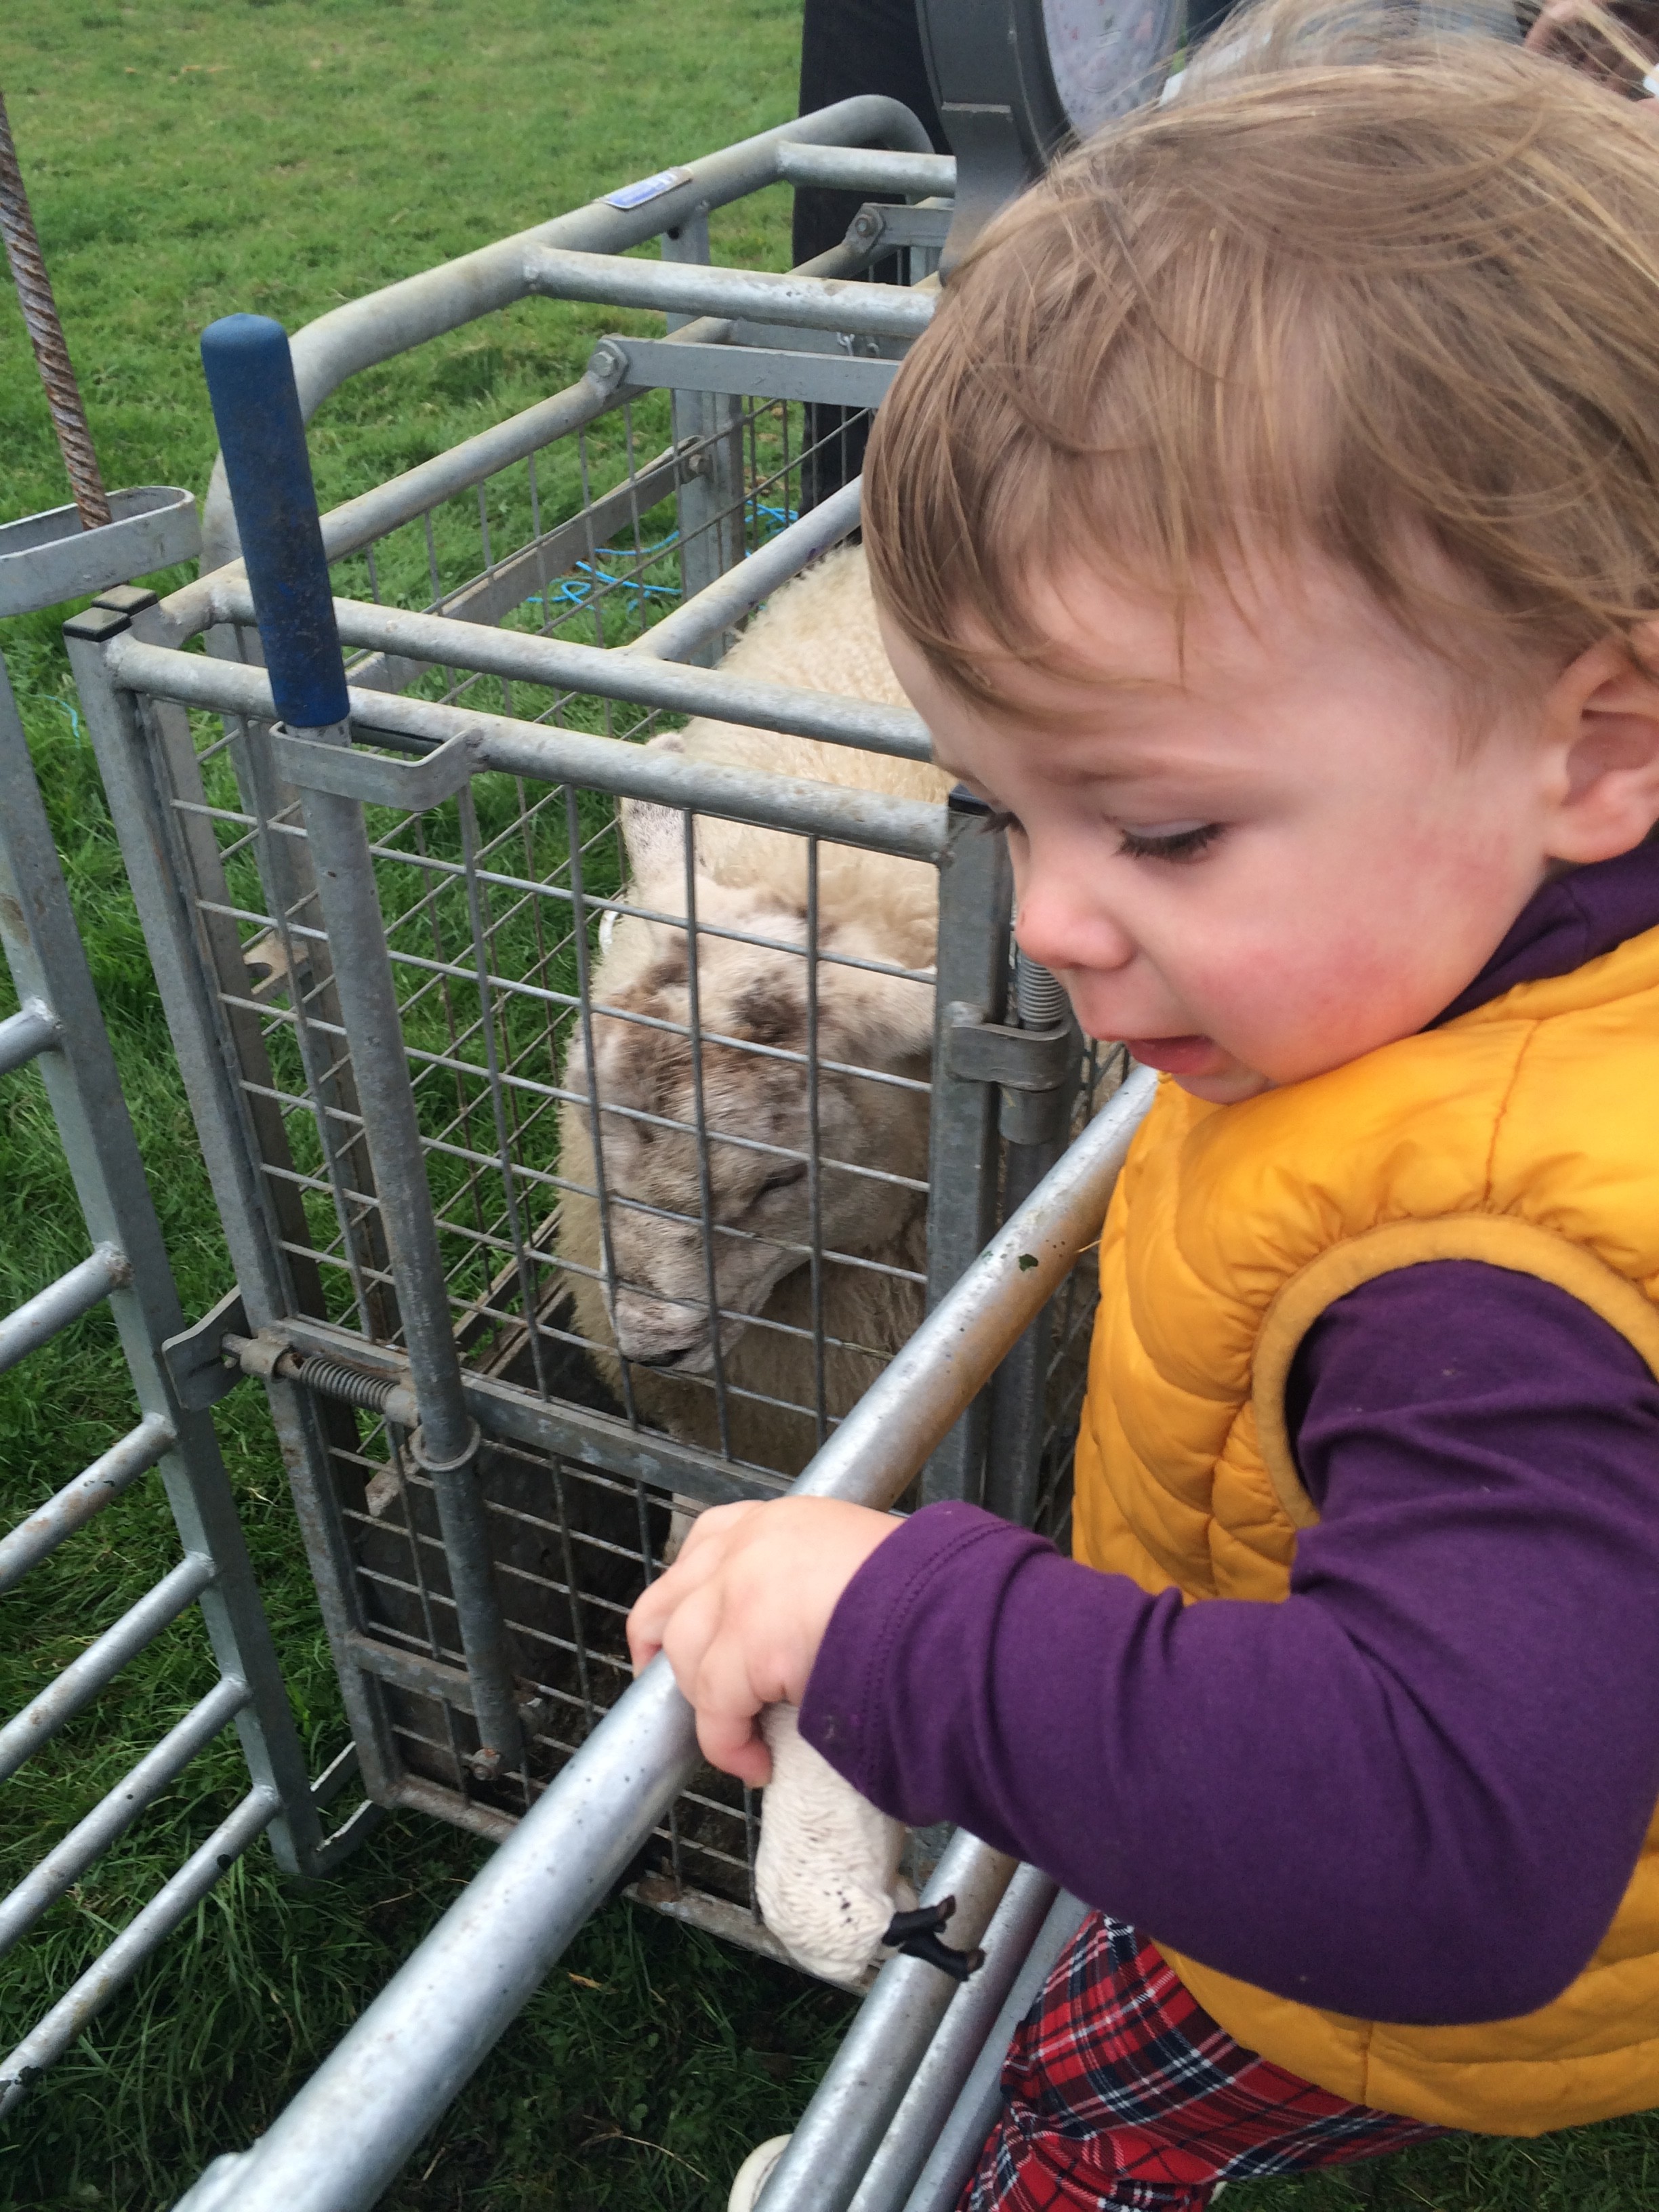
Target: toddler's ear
{"x": 1603, "y": 714}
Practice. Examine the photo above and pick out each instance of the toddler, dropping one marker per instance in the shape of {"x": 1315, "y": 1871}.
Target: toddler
{"x": 1268, "y": 528}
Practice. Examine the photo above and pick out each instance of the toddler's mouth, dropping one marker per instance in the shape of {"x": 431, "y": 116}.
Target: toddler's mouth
{"x": 1177, "y": 1055}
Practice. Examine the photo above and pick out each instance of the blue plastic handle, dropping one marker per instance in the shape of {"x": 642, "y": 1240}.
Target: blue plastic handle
{"x": 262, "y": 434}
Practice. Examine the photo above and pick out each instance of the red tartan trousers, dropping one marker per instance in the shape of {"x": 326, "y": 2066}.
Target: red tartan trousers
{"x": 1122, "y": 2094}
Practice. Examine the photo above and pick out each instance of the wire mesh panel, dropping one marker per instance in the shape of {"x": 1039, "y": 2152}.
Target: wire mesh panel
{"x": 677, "y": 1013}
{"x": 673, "y": 1182}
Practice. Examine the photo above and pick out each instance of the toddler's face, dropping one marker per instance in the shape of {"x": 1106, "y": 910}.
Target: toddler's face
{"x": 1262, "y": 863}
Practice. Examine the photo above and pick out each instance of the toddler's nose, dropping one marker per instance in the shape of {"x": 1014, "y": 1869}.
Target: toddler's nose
{"x": 1061, "y": 926}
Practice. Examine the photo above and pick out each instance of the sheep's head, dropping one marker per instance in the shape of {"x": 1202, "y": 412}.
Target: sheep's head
{"x": 748, "y": 1175}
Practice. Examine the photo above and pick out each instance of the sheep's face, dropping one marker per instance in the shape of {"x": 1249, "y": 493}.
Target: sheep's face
{"x": 755, "y": 1112}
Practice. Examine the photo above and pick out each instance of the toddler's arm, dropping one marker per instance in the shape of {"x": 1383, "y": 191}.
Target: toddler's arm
{"x": 1415, "y": 1790}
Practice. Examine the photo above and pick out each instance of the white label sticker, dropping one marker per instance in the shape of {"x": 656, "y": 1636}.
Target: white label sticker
{"x": 648, "y": 188}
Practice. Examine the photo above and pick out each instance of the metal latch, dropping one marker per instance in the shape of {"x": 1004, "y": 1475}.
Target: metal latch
{"x": 195, "y": 1359}
{"x": 378, "y": 780}
{"x": 999, "y": 1052}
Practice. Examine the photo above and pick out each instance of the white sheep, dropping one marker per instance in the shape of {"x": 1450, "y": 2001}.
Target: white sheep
{"x": 819, "y": 634}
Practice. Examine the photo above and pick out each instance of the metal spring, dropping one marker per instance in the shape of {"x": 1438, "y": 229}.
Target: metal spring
{"x": 1039, "y": 996}
{"x": 28, "y": 270}
{"x": 334, "y": 1379}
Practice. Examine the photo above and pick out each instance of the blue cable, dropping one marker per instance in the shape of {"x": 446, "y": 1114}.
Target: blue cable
{"x": 577, "y": 590}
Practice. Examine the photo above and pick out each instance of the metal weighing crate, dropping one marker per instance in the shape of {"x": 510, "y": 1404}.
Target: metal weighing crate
{"x": 390, "y": 950}
{"x": 59, "y": 1028}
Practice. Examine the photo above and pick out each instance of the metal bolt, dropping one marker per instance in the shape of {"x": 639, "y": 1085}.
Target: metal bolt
{"x": 606, "y": 365}
{"x": 485, "y": 1763}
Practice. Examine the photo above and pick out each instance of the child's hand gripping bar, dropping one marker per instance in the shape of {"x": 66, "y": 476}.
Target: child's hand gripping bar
{"x": 256, "y": 411}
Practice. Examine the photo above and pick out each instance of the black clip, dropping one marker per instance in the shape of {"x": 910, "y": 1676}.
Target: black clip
{"x": 916, "y": 1935}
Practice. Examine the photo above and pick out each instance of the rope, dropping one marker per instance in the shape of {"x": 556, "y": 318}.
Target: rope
{"x": 68, "y": 417}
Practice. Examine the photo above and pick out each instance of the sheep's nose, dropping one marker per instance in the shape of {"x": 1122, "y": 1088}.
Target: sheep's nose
{"x": 658, "y": 1332}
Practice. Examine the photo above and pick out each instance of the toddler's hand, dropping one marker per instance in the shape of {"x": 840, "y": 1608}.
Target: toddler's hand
{"x": 742, "y": 1610}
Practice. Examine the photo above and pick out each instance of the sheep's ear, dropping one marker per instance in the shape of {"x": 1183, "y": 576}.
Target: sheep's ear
{"x": 654, "y": 837}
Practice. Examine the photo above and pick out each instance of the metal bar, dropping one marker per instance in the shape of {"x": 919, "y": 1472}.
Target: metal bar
{"x": 559, "y": 665}
{"x": 413, "y": 1670}
{"x": 31, "y": 1030}
{"x": 855, "y": 169}
{"x": 114, "y": 1814}
{"x": 962, "y": 2137}
{"x": 140, "y": 1935}
{"x": 358, "y": 522}
{"x": 976, "y": 914}
{"x": 911, "y": 827}
{"x": 1033, "y": 1125}
{"x": 887, "y": 2174}
{"x": 749, "y": 364}
{"x": 400, "y": 316}
{"x": 74, "y": 1504}
{"x": 724, "y": 603}
{"x": 700, "y": 1121}
{"x": 40, "y": 1318}
{"x": 350, "y": 2127}
{"x": 909, "y": 1407}
{"x": 709, "y": 503}
{"x": 820, "y": 303}
{"x": 867, "y": 2077}
{"x": 102, "y": 1660}
{"x": 28, "y": 269}
{"x": 446, "y": 1444}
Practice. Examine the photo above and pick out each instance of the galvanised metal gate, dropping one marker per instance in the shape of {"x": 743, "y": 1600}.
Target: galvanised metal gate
{"x": 59, "y": 1030}
{"x": 385, "y": 966}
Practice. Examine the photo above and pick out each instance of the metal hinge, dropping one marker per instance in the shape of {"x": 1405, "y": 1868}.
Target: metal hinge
{"x": 998, "y": 1052}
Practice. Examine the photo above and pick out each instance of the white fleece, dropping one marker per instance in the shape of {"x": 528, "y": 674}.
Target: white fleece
{"x": 826, "y": 1873}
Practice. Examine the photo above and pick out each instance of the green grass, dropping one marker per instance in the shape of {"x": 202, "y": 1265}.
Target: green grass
{"x": 186, "y": 161}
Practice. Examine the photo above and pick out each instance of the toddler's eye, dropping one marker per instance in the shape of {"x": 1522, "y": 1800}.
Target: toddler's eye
{"x": 1171, "y": 845}
{"x": 996, "y": 820}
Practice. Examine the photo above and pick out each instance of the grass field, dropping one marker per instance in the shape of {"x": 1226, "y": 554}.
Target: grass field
{"x": 186, "y": 161}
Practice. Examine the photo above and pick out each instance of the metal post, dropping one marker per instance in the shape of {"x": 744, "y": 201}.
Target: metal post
{"x": 1033, "y": 1125}
{"x": 257, "y": 412}
{"x": 976, "y": 908}
{"x": 708, "y": 505}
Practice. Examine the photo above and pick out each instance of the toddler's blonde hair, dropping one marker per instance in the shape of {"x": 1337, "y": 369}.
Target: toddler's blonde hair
{"x": 1358, "y": 291}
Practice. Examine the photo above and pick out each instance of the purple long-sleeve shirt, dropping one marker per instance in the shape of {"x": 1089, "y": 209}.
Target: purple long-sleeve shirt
{"x": 1417, "y": 1789}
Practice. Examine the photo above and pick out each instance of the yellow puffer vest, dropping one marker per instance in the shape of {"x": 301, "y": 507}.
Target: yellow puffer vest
{"x": 1525, "y": 1134}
